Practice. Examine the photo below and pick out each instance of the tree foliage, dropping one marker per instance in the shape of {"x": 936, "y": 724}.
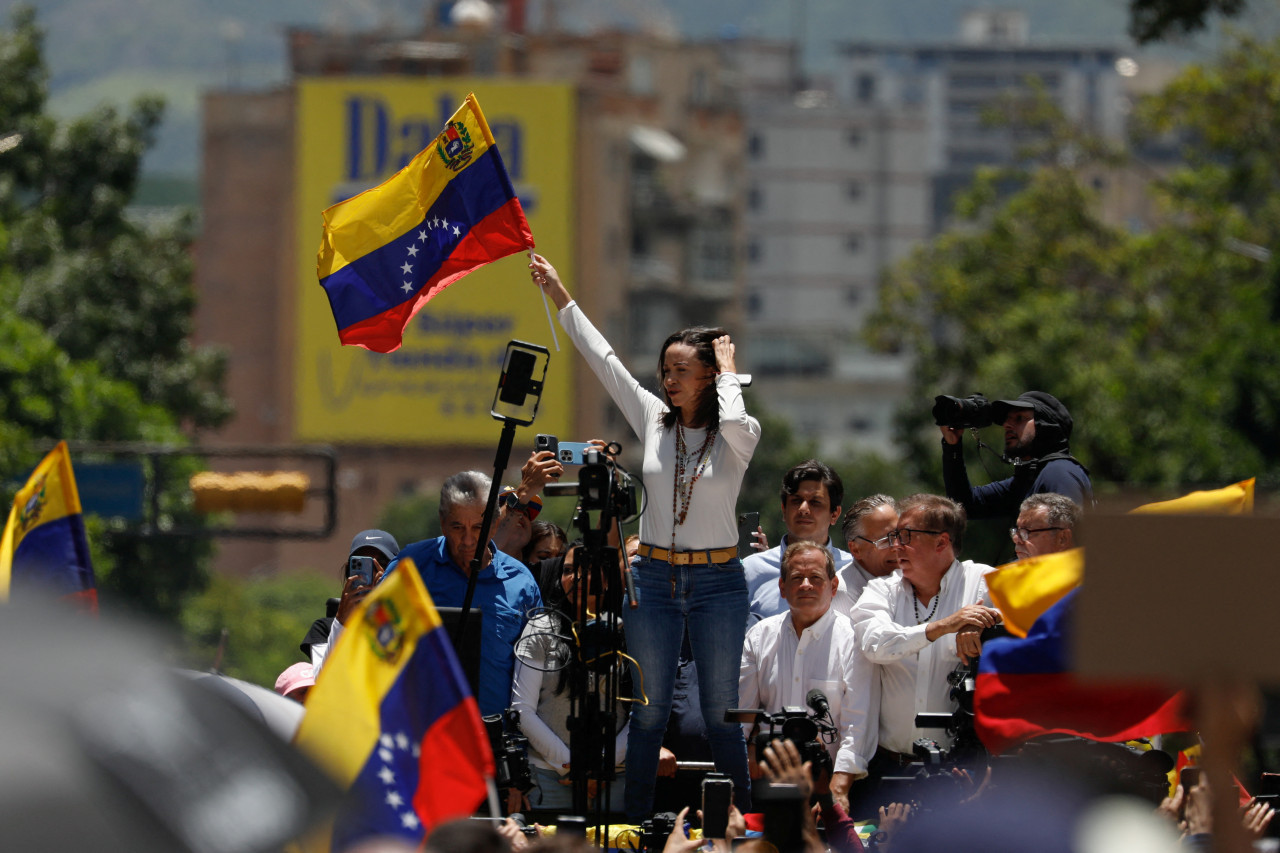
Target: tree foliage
{"x": 1163, "y": 343}
{"x": 1154, "y": 20}
{"x": 265, "y": 619}
{"x": 107, "y": 289}
{"x": 95, "y": 344}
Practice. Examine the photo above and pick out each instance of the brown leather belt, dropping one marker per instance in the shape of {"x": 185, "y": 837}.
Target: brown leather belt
{"x": 687, "y": 558}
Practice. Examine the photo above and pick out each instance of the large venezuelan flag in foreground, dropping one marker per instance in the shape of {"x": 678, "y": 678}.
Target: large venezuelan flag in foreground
{"x": 44, "y": 545}
{"x": 391, "y": 718}
{"x": 385, "y": 253}
{"x": 1026, "y": 686}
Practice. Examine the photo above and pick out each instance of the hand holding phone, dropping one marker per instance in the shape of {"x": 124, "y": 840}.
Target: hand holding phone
{"x": 717, "y": 796}
{"x": 363, "y": 567}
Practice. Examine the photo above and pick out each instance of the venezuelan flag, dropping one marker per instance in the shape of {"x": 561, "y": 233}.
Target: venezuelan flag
{"x": 392, "y": 719}
{"x": 44, "y": 545}
{"x": 388, "y": 251}
{"x": 1025, "y": 684}
{"x": 1025, "y": 687}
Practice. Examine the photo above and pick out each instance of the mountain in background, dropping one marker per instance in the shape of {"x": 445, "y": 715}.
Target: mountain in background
{"x": 112, "y": 50}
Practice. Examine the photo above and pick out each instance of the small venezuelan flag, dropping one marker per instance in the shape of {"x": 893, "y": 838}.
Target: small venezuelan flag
{"x": 386, "y": 252}
{"x": 44, "y": 546}
{"x": 392, "y": 719}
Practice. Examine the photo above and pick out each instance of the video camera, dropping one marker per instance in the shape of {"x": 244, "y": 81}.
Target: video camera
{"x": 810, "y": 732}
{"x": 972, "y": 412}
{"x": 510, "y": 750}
{"x": 655, "y": 831}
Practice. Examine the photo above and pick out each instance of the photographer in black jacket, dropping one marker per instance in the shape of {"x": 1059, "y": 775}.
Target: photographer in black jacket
{"x": 1036, "y": 429}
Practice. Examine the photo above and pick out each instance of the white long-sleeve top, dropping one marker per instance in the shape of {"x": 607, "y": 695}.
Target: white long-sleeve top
{"x": 779, "y": 669}
{"x": 913, "y": 671}
{"x": 544, "y": 713}
{"x": 711, "y": 521}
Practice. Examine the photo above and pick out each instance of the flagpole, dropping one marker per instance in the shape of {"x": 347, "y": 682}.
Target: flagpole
{"x": 547, "y": 306}
{"x": 494, "y": 810}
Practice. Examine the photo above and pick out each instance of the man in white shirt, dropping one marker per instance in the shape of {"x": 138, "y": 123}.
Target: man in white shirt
{"x": 811, "y": 496}
{"x": 866, "y": 528}
{"x": 812, "y": 647}
{"x": 918, "y": 625}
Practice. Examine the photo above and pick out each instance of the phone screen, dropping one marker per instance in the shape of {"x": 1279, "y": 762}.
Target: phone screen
{"x": 747, "y": 524}
{"x": 717, "y": 795}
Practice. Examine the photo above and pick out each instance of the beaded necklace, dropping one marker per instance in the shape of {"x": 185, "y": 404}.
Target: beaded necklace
{"x": 683, "y": 492}
{"x": 916, "y": 608}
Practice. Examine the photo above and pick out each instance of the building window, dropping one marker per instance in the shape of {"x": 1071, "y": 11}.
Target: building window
{"x": 755, "y": 197}
{"x": 854, "y": 138}
{"x": 640, "y": 75}
{"x": 755, "y": 146}
{"x": 853, "y": 243}
{"x": 865, "y": 86}
{"x": 754, "y": 251}
{"x": 854, "y": 190}
{"x": 853, "y": 295}
{"x": 700, "y": 88}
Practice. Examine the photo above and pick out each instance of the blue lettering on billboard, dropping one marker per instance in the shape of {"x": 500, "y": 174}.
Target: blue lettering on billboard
{"x": 379, "y": 142}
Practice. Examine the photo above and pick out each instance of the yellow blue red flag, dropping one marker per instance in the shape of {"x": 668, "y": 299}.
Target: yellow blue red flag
{"x": 1025, "y": 684}
{"x": 392, "y": 719}
{"x": 386, "y": 252}
{"x": 44, "y": 546}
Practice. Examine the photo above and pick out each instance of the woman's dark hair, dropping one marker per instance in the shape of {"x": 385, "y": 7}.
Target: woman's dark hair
{"x": 539, "y": 529}
{"x": 700, "y": 338}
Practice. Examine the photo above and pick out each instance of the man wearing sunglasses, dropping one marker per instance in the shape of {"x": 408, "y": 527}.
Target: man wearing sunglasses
{"x": 1046, "y": 525}
{"x": 918, "y": 625}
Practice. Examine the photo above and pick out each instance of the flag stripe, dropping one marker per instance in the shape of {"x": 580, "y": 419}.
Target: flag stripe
{"x": 383, "y": 332}
{"x": 1025, "y": 687}
{"x": 450, "y": 767}
{"x": 391, "y": 692}
{"x": 361, "y": 224}
{"x": 386, "y": 252}
{"x": 44, "y": 543}
{"x": 428, "y": 697}
{"x": 54, "y": 556}
{"x": 373, "y": 283}
{"x": 1015, "y": 707}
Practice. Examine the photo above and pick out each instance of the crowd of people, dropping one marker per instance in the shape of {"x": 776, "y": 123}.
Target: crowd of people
{"x": 863, "y": 632}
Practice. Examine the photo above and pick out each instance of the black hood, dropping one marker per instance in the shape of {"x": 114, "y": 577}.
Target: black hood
{"x": 1053, "y": 421}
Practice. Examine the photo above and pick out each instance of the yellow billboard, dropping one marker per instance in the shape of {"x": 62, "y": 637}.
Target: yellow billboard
{"x": 354, "y": 133}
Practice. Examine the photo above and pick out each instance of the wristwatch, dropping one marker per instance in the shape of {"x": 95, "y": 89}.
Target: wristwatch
{"x": 513, "y": 502}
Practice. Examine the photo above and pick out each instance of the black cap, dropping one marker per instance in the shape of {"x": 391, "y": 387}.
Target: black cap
{"x": 1047, "y": 408}
{"x": 380, "y": 540}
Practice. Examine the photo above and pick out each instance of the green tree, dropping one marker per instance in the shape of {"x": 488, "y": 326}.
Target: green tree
{"x": 1162, "y": 343}
{"x": 96, "y": 344}
{"x": 108, "y": 289}
{"x": 264, "y": 620}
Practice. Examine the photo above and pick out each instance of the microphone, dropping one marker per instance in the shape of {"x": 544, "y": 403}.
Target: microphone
{"x": 817, "y": 700}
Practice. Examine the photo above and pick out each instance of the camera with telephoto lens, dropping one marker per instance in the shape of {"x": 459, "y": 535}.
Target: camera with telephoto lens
{"x": 510, "y": 750}
{"x": 655, "y": 831}
{"x": 972, "y": 412}
{"x": 802, "y": 729}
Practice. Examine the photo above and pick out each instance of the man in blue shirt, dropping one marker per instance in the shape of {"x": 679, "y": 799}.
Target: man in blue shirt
{"x": 811, "y": 496}
{"x": 505, "y": 589}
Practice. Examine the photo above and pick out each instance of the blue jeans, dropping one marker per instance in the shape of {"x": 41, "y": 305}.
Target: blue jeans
{"x": 711, "y": 602}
